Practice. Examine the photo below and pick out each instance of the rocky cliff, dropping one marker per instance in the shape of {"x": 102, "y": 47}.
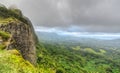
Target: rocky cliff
{"x": 22, "y": 36}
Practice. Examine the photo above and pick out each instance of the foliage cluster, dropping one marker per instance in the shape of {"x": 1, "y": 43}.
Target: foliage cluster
{"x": 57, "y": 58}
{"x": 12, "y": 62}
{"x": 4, "y": 35}
{"x": 15, "y": 13}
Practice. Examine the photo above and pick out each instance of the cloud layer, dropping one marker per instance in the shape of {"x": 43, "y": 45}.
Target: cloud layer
{"x": 87, "y": 15}
{"x": 95, "y": 35}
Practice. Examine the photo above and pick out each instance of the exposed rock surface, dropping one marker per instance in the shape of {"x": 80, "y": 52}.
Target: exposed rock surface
{"x": 22, "y": 37}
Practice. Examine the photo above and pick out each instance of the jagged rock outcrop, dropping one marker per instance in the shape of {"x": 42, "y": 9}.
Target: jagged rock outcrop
{"x": 22, "y": 37}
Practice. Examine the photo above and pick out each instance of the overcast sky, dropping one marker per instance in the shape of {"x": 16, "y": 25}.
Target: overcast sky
{"x": 72, "y": 15}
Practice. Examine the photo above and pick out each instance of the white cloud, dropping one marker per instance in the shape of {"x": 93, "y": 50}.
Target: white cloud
{"x": 105, "y": 36}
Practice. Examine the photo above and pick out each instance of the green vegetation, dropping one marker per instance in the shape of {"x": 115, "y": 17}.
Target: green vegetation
{"x": 2, "y": 46}
{"x": 14, "y": 13}
{"x": 5, "y": 21}
{"x": 57, "y": 58}
{"x": 4, "y": 35}
{"x": 12, "y": 62}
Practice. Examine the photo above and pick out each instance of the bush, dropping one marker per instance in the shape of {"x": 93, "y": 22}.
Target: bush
{"x": 12, "y": 62}
{"x": 60, "y": 70}
{"x": 4, "y": 35}
{"x": 6, "y": 13}
{"x": 2, "y": 47}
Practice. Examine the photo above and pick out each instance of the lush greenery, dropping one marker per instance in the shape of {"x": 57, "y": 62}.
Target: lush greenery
{"x": 56, "y": 57}
{"x": 4, "y": 35}
{"x": 12, "y": 62}
{"x": 14, "y": 13}
{"x": 60, "y": 58}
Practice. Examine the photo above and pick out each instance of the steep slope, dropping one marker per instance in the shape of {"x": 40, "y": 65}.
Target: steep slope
{"x": 22, "y": 36}
{"x": 11, "y": 61}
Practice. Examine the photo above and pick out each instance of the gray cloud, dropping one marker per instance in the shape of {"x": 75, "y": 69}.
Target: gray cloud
{"x": 90, "y": 15}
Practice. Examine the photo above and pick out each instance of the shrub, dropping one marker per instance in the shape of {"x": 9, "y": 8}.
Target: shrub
{"x": 4, "y": 35}
{"x": 2, "y": 47}
{"x": 60, "y": 70}
{"x": 16, "y": 13}
{"x": 12, "y": 62}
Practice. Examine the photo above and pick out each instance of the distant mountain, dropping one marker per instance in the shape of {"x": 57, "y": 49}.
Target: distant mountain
{"x": 87, "y": 42}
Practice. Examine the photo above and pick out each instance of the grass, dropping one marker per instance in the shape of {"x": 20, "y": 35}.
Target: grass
{"x": 2, "y": 46}
{"x": 7, "y": 20}
{"x": 11, "y": 61}
{"x": 4, "y": 35}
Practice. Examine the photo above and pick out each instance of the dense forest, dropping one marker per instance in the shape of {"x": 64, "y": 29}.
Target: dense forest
{"x": 72, "y": 58}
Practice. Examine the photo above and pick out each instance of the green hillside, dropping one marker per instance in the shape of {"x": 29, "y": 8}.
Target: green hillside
{"x": 69, "y": 59}
{"x": 11, "y": 61}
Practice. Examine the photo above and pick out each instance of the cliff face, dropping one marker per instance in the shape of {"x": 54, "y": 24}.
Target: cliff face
{"x": 22, "y": 36}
